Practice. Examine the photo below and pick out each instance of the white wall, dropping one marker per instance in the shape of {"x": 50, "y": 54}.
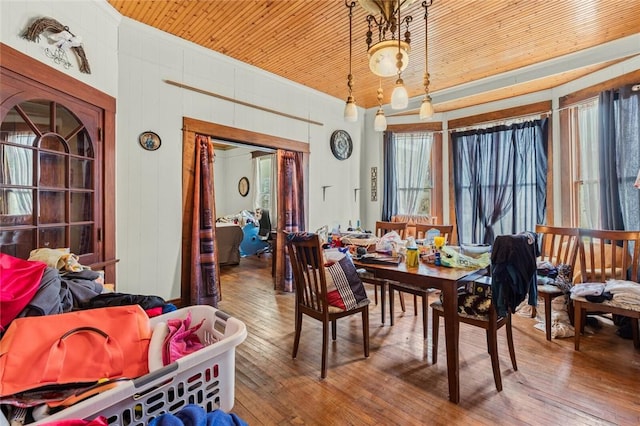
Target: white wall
{"x": 93, "y": 20}
{"x": 149, "y": 183}
{"x": 231, "y": 165}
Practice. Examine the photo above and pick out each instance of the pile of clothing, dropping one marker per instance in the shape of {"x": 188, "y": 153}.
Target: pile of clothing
{"x": 626, "y": 293}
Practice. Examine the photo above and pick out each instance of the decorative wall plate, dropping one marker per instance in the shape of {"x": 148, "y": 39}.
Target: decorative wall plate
{"x": 341, "y": 145}
{"x": 243, "y": 186}
{"x": 149, "y": 141}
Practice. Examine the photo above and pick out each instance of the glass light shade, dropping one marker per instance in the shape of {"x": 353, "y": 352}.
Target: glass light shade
{"x": 426, "y": 109}
{"x": 382, "y": 57}
{"x": 350, "y": 110}
{"x": 380, "y": 122}
{"x": 399, "y": 97}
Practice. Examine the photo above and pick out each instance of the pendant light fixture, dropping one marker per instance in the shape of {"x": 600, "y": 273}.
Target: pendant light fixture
{"x": 388, "y": 56}
{"x": 380, "y": 122}
{"x": 350, "y": 109}
{"x": 426, "y": 109}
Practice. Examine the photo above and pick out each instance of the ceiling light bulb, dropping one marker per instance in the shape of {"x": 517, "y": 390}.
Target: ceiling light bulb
{"x": 350, "y": 110}
{"x": 380, "y": 122}
{"x": 399, "y": 97}
{"x": 426, "y": 109}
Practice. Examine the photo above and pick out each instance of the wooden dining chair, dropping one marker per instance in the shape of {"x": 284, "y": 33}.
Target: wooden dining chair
{"x": 606, "y": 255}
{"x": 383, "y": 227}
{"x": 309, "y": 276}
{"x": 558, "y": 245}
{"x": 509, "y": 253}
{"x": 380, "y": 285}
{"x": 446, "y": 231}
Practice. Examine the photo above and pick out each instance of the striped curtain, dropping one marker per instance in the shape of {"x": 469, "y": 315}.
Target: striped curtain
{"x": 291, "y": 217}
{"x": 205, "y": 279}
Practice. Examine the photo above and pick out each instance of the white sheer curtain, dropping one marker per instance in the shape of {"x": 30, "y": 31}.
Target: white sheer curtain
{"x": 587, "y": 178}
{"x": 18, "y": 170}
{"x": 265, "y": 184}
{"x": 413, "y": 172}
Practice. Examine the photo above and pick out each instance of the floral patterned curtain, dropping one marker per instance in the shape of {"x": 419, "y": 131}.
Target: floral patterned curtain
{"x": 291, "y": 211}
{"x": 205, "y": 279}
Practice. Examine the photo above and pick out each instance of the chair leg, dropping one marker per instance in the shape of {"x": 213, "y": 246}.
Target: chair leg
{"x": 547, "y": 314}
{"x": 391, "y": 303}
{"x": 435, "y": 327}
{"x": 577, "y": 319}
{"x": 333, "y": 329}
{"x": 365, "y": 331}
{"x": 512, "y": 350}
{"x": 383, "y": 295}
{"x": 375, "y": 293}
{"x": 415, "y": 305}
{"x": 325, "y": 349}
{"x": 425, "y": 315}
{"x": 492, "y": 338}
{"x": 401, "y": 294}
{"x": 635, "y": 332}
{"x": 296, "y": 339}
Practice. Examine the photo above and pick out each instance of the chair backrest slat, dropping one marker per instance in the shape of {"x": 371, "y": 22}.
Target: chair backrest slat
{"x": 446, "y": 231}
{"x": 308, "y": 272}
{"x": 558, "y": 244}
{"x": 606, "y": 254}
{"x": 384, "y": 227}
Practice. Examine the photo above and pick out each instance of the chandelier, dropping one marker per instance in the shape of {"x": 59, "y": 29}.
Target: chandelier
{"x": 389, "y": 55}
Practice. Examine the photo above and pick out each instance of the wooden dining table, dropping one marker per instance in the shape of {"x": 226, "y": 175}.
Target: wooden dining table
{"x": 446, "y": 280}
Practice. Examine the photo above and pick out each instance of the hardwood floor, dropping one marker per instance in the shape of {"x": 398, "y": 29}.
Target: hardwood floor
{"x": 398, "y": 385}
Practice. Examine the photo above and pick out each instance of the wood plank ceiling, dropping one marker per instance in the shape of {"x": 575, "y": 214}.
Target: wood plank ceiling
{"x": 307, "y": 41}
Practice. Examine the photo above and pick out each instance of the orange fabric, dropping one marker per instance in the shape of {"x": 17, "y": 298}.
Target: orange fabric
{"x": 74, "y": 347}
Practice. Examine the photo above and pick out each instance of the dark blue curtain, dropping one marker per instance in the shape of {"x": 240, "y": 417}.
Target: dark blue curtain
{"x": 500, "y": 179}
{"x": 389, "y": 195}
{"x": 619, "y": 149}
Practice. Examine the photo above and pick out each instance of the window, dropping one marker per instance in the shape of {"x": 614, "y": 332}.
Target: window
{"x": 500, "y": 176}
{"x": 264, "y": 192}
{"x": 604, "y": 140}
{"x": 583, "y": 142}
{"x": 408, "y": 173}
{"x": 264, "y": 179}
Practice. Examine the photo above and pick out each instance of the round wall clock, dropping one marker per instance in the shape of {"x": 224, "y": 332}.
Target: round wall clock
{"x": 243, "y": 186}
{"x": 149, "y": 141}
{"x": 341, "y": 145}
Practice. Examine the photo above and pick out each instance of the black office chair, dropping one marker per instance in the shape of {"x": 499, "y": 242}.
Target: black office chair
{"x": 264, "y": 231}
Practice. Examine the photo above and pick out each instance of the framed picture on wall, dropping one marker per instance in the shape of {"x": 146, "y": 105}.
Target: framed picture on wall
{"x": 243, "y": 186}
{"x": 149, "y": 141}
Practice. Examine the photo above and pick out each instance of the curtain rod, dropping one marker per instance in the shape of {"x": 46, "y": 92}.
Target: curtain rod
{"x": 491, "y": 123}
{"x": 235, "y": 101}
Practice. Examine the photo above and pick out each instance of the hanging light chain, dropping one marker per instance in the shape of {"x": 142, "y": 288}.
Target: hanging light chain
{"x": 425, "y": 5}
{"x": 350, "y": 76}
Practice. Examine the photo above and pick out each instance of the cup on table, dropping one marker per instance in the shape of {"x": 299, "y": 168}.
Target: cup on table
{"x": 412, "y": 257}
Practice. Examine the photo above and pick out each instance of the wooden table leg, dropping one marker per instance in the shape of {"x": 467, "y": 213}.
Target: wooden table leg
{"x": 451, "y": 331}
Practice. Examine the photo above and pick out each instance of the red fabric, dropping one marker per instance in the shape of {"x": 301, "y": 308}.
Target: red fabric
{"x": 335, "y": 299}
{"x": 154, "y": 312}
{"x": 19, "y": 281}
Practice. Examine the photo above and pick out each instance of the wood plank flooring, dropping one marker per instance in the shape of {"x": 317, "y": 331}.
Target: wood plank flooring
{"x": 398, "y": 385}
